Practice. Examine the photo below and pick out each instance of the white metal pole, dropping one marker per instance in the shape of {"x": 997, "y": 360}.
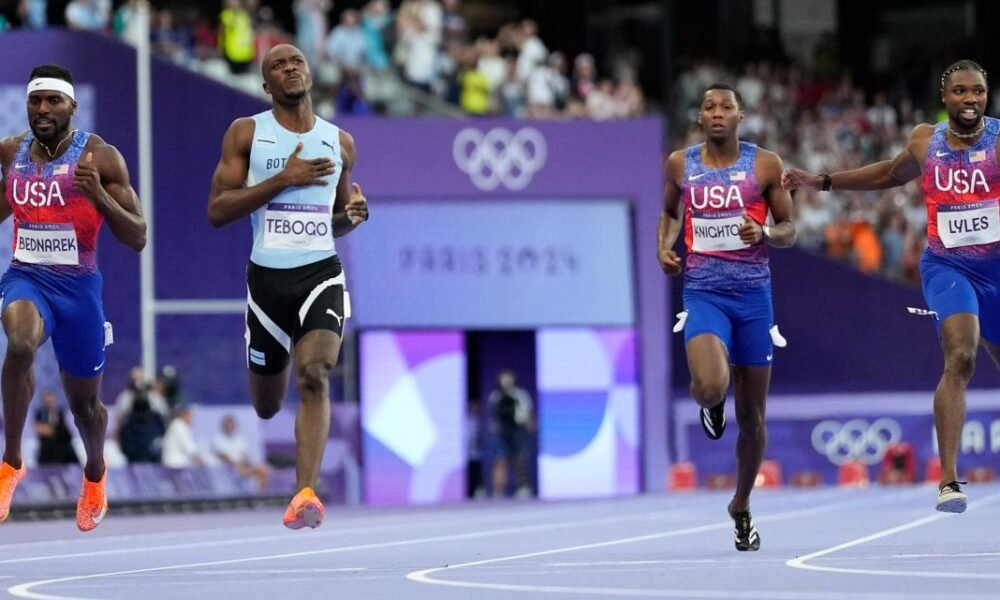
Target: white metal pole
{"x": 144, "y": 95}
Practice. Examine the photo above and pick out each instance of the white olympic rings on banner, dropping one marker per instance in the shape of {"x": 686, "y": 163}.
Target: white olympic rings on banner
{"x": 500, "y": 157}
{"x": 856, "y": 439}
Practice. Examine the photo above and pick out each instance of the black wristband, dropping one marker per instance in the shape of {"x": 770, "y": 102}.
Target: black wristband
{"x": 827, "y": 182}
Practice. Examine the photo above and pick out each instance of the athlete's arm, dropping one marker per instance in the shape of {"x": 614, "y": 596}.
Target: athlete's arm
{"x": 350, "y": 207}
{"x": 877, "y": 176}
{"x": 669, "y": 226}
{"x": 8, "y": 148}
{"x": 779, "y": 202}
{"x": 103, "y": 176}
{"x": 229, "y": 200}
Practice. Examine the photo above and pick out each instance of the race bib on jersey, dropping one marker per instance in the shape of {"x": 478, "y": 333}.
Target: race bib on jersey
{"x": 969, "y": 224}
{"x": 290, "y": 226}
{"x": 717, "y": 231}
{"x": 47, "y": 244}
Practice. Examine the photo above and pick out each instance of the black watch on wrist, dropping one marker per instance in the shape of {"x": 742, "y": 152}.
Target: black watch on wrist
{"x": 827, "y": 182}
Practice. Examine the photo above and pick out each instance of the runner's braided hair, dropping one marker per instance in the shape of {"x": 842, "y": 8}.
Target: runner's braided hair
{"x": 962, "y": 65}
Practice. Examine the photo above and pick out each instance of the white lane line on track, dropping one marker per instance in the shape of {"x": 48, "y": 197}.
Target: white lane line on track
{"x": 520, "y": 511}
{"x": 452, "y": 522}
{"x": 426, "y": 576}
{"x": 800, "y": 562}
{"x": 288, "y": 536}
{"x": 24, "y": 590}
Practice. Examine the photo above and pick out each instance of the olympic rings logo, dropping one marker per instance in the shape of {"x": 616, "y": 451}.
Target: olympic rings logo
{"x": 855, "y": 440}
{"x": 499, "y": 157}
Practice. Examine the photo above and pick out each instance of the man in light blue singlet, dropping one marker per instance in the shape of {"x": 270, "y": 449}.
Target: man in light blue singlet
{"x": 289, "y": 171}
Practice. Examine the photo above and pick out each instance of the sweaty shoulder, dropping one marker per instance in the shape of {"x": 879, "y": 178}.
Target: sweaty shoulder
{"x": 675, "y": 165}
{"x": 921, "y": 134}
{"x": 242, "y": 129}
{"x": 919, "y": 142}
{"x": 9, "y": 146}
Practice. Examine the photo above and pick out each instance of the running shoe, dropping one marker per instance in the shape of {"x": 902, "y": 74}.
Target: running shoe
{"x": 305, "y": 510}
{"x": 713, "y": 420}
{"x": 92, "y": 506}
{"x": 747, "y": 538}
{"x": 9, "y": 478}
{"x": 951, "y": 498}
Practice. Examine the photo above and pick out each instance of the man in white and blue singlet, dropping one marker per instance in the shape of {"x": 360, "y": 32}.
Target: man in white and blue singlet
{"x": 295, "y": 282}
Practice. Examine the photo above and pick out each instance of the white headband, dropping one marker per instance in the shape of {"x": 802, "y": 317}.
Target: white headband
{"x": 51, "y": 84}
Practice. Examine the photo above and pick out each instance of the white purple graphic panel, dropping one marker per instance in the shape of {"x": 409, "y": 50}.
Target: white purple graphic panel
{"x": 413, "y": 396}
{"x": 588, "y": 412}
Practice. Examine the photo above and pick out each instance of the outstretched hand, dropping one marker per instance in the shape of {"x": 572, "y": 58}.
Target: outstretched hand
{"x": 793, "y": 179}
{"x": 307, "y": 171}
{"x": 357, "y": 206}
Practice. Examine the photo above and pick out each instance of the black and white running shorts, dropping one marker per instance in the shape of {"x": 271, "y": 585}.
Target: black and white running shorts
{"x": 285, "y": 304}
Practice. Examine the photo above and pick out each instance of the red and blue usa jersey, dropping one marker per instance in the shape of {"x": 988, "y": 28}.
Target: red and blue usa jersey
{"x": 715, "y": 202}
{"x": 55, "y": 225}
{"x": 962, "y": 193}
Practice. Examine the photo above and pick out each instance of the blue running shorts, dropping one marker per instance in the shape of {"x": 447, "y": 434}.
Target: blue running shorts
{"x": 71, "y": 309}
{"x": 951, "y": 286}
{"x": 742, "y": 319}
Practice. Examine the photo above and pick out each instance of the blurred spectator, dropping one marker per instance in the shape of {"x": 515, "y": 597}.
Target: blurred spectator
{"x": 231, "y": 448}
{"x": 584, "y": 78}
{"x": 170, "y": 40}
{"x": 125, "y": 22}
{"x": 474, "y": 85}
{"x": 375, "y": 20}
{"x": 91, "y": 15}
{"x": 168, "y": 386}
{"x": 33, "y": 13}
{"x": 268, "y": 34}
{"x": 453, "y": 22}
{"x": 205, "y": 38}
{"x": 548, "y": 88}
{"x": 311, "y": 27}
{"x": 531, "y": 51}
{"x": 55, "y": 442}
{"x": 512, "y": 415}
{"x": 140, "y": 412}
{"x": 351, "y": 95}
{"x": 180, "y": 450}
{"x": 418, "y": 35}
{"x": 347, "y": 45}
{"x": 236, "y": 37}
{"x": 474, "y": 450}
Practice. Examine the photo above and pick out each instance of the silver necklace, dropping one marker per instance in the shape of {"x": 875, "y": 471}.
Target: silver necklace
{"x": 972, "y": 134}
{"x": 52, "y": 153}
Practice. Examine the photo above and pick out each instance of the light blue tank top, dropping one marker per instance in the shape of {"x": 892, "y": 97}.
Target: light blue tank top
{"x": 295, "y": 228}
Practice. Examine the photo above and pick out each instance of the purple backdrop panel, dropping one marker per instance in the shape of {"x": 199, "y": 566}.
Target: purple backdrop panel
{"x": 413, "y": 395}
{"x": 484, "y": 266}
{"x": 819, "y": 433}
{"x": 588, "y": 403}
{"x": 210, "y": 356}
